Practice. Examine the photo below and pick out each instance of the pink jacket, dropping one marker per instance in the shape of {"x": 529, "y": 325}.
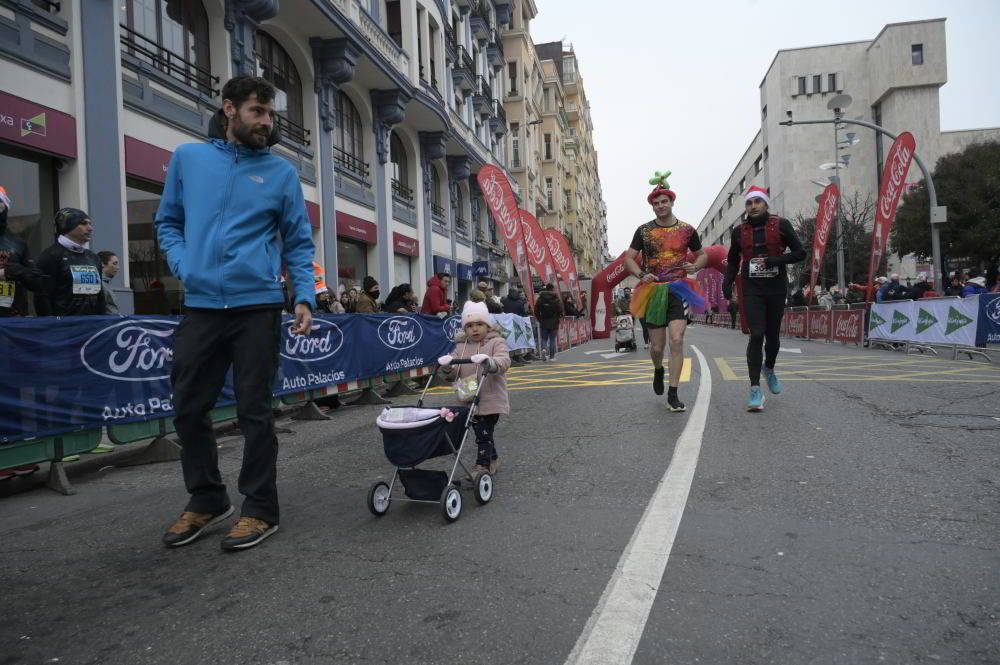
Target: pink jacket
{"x": 493, "y": 396}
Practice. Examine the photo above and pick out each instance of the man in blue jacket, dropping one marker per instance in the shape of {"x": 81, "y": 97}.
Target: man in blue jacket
{"x": 231, "y": 215}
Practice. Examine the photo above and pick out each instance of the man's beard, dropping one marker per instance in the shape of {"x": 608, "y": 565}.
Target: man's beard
{"x": 247, "y": 136}
{"x": 761, "y": 215}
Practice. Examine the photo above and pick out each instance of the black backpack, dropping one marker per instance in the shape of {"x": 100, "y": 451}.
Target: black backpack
{"x": 547, "y": 309}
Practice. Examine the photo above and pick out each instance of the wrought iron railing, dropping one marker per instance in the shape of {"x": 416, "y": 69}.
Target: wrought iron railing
{"x": 401, "y": 191}
{"x": 294, "y": 131}
{"x": 168, "y": 62}
{"x": 499, "y": 112}
{"x": 484, "y": 87}
{"x": 498, "y": 42}
{"x": 350, "y": 163}
{"x": 449, "y": 39}
{"x": 437, "y": 210}
{"x": 48, "y": 5}
{"x": 465, "y": 62}
{"x": 462, "y": 226}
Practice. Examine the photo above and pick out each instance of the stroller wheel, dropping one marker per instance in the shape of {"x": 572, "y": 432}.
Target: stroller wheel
{"x": 451, "y": 504}
{"x": 483, "y": 485}
{"x": 378, "y": 499}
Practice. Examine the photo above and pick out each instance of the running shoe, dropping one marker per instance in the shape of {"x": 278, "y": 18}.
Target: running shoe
{"x": 246, "y": 533}
{"x": 191, "y": 525}
{"x": 756, "y": 400}
{"x": 773, "y": 384}
{"x": 674, "y": 404}
{"x": 658, "y": 380}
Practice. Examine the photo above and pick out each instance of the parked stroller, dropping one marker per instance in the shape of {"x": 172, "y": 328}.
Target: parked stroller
{"x": 412, "y": 435}
{"x": 625, "y": 333}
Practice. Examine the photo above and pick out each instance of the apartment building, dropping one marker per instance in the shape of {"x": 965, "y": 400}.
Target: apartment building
{"x": 387, "y": 110}
{"x": 894, "y": 81}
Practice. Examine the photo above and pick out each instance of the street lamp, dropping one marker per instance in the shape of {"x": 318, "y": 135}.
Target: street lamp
{"x": 939, "y": 215}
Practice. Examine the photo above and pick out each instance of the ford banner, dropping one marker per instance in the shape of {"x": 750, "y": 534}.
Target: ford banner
{"x": 69, "y": 374}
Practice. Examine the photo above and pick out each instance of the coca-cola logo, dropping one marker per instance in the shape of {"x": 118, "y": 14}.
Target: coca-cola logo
{"x": 561, "y": 261}
{"x": 612, "y": 277}
{"x": 819, "y": 323}
{"x": 133, "y": 350}
{"x": 847, "y": 325}
{"x": 825, "y": 219}
{"x": 495, "y": 198}
{"x": 323, "y": 341}
{"x": 796, "y": 324}
{"x": 400, "y": 332}
{"x": 536, "y": 250}
{"x": 451, "y": 327}
{"x": 893, "y": 178}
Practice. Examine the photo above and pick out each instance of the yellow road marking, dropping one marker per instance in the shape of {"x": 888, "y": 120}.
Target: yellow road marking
{"x": 727, "y": 372}
{"x": 839, "y": 368}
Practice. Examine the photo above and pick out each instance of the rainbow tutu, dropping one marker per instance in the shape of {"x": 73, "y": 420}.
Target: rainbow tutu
{"x": 649, "y": 300}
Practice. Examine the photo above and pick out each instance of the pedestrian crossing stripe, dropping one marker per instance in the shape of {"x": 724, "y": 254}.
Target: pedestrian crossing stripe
{"x": 561, "y": 375}
{"x": 867, "y": 368}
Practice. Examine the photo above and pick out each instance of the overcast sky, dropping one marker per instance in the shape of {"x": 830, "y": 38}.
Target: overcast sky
{"x": 674, "y": 85}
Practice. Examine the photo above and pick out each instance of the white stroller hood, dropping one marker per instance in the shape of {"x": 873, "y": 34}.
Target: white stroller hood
{"x": 406, "y": 417}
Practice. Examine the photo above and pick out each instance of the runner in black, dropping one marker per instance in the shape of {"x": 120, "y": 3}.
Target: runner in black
{"x": 757, "y": 254}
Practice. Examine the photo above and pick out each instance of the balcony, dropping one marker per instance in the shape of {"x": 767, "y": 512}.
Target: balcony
{"x": 462, "y": 226}
{"x": 401, "y": 192}
{"x": 498, "y": 121}
{"x": 450, "y": 44}
{"x": 437, "y": 211}
{"x": 482, "y": 98}
{"x": 290, "y": 131}
{"x": 494, "y": 51}
{"x": 348, "y": 163}
{"x": 479, "y": 21}
{"x": 177, "y": 68}
{"x": 462, "y": 72}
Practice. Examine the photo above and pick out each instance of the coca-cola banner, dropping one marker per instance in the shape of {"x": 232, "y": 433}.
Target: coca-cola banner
{"x": 795, "y": 323}
{"x": 75, "y": 373}
{"x": 564, "y": 261}
{"x": 602, "y": 296}
{"x": 819, "y": 323}
{"x": 499, "y": 197}
{"x": 848, "y": 325}
{"x": 897, "y": 165}
{"x": 537, "y": 246}
{"x": 827, "y": 212}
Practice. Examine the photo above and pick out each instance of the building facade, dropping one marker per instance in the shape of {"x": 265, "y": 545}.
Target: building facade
{"x": 894, "y": 81}
{"x": 387, "y": 110}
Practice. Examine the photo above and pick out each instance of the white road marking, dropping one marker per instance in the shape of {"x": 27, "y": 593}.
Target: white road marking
{"x": 613, "y": 631}
{"x": 615, "y": 354}
{"x": 784, "y": 350}
{"x": 590, "y": 353}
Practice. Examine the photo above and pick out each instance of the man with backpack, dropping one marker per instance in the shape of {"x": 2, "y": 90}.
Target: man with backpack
{"x": 549, "y": 311}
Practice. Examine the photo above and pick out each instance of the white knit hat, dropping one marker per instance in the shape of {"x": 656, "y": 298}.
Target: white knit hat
{"x": 476, "y": 311}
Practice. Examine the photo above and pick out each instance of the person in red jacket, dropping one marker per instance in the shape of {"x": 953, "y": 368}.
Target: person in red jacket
{"x": 436, "y": 298}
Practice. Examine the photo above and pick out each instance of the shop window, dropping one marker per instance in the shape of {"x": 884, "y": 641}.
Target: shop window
{"x": 401, "y": 270}
{"x": 155, "y": 289}
{"x": 171, "y": 35}
{"x": 352, "y": 263}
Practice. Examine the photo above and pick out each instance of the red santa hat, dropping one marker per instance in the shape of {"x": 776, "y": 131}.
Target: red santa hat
{"x": 756, "y": 192}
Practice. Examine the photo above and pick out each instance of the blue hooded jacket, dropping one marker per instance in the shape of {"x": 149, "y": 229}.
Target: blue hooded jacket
{"x": 229, "y": 218}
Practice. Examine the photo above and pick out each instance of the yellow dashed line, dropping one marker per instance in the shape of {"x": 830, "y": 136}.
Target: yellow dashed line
{"x": 840, "y": 368}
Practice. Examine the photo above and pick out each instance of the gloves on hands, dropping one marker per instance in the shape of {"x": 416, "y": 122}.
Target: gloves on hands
{"x": 479, "y": 358}
{"x": 442, "y": 315}
{"x": 444, "y": 361}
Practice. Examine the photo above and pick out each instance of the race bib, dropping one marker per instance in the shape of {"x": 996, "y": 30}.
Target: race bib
{"x": 86, "y": 280}
{"x": 758, "y": 268}
{"x": 7, "y": 294}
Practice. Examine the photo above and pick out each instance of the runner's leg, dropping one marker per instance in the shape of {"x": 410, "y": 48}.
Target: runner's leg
{"x": 657, "y": 344}
{"x": 775, "y": 311}
{"x": 677, "y": 328}
{"x": 755, "y": 307}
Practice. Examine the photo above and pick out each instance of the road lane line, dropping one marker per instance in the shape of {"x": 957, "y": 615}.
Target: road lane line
{"x": 613, "y": 631}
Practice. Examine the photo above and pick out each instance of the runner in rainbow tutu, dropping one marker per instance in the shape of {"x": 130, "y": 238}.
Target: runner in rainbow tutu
{"x": 665, "y": 295}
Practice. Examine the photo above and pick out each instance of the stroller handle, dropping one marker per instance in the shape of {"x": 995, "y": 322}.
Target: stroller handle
{"x": 461, "y": 361}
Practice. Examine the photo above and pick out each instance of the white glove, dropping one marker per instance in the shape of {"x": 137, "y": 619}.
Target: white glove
{"x": 479, "y": 358}
{"x": 442, "y": 315}
{"x": 444, "y": 361}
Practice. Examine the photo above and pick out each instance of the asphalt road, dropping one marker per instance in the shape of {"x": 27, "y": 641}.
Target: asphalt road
{"x": 854, "y": 521}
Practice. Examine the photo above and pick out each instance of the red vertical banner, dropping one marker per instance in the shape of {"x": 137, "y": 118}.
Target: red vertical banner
{"x": 564, "y": 261}
{"x": 538, "y": 252}
{"x": 827, "y": 212}
{"x": 897, "y": 165}
{"x": 500, "y": 198}
{"x": 601, "y": 305}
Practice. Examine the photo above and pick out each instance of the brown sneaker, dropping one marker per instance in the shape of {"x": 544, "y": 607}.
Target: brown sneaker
{"x": 191, "y": 525}
{"x": 247, "y": 532}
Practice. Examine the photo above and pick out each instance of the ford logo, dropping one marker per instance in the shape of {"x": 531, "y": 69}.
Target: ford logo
{"x": 325, "y": 340}
{"x": 993, "y": 311}
{"x": 133, "y": 350}
{"x": 451, "y": 327}
{"x": 400, "y": 332}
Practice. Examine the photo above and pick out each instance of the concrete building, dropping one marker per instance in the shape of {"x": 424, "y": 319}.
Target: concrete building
{"x": 387, "y": 109}
{"x": 571, "y": 187}
{"x": 894, "y": 81}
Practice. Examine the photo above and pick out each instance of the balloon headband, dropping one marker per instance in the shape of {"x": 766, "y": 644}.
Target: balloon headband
{"x": 660, "y": 187}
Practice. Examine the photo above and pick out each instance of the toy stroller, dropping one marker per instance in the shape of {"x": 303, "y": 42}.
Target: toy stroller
{"x": 625, "y": 333}
{"x": 413, "y": 435}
